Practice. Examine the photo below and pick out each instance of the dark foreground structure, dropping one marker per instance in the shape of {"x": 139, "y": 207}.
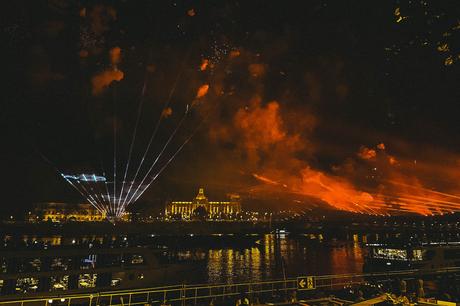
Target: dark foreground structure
{"x": 396, "y": 287}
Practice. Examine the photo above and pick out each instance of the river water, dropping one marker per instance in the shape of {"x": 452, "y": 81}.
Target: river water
{"x": 270, "y": 257}
{"x": 275, "y": 257}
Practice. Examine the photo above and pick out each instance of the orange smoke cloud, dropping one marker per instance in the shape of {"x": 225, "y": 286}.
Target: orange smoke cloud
{"x": 100, "y": 17}
{"x": 191, "y": 12}
{"x": 408, "y": 187}
{"x": 256, "y": 70}
{"x": 115, "y": 56}
{"x": 82, "y": 12}
{"x": 366, "y": 153}
{"x": 104, "y": 79}
{"x": 261, "y": 127}
{"x": 335, "y": 191}
{"x": 204, "y": 64}
{"x": 234, "y": 53}
{"x": 202, "y": 91}
{"x": 167, "y": 112}
{"x": 271, "y": 149}
{"x": 392, "y": 160}
{"x": 272, "y": 144}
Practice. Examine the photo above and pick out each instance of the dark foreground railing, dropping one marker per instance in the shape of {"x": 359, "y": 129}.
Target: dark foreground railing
{"x": 199, "y": 294}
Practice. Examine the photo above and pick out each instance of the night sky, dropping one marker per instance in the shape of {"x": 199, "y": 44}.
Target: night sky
{"x": 348, "y": 104}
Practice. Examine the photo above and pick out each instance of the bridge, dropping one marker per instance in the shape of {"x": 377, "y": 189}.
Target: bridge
{"x": 202, "y": 294}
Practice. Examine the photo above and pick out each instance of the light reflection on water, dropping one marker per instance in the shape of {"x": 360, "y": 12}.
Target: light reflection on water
{"x": 265, "y": 261}
{"x": 274, "y": 257}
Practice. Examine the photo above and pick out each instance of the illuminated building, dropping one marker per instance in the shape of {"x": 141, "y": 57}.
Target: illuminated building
{"x": 213, "y": 210}
{"x": 63, "y": 212}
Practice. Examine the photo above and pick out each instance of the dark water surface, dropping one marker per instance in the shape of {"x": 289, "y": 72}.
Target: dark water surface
{"x": 275, "y": 256}
{"x": 270, "y": 257}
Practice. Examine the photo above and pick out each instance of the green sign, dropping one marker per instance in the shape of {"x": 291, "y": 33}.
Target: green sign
{"x": 306, "y": 283}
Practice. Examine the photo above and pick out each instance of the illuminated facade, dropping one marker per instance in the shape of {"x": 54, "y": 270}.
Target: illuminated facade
{"x": 213, "y": 210}
{"x": 63, "y": 212}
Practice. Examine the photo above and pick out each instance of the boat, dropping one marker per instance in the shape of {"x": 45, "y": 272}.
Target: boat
{"x": 408, "y": 256}
{"x": 33, "y": 272}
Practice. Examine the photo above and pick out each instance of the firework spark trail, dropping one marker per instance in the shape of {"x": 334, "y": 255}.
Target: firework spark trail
{"x": 419, "y": 199}
{"x": 53, "y": 165}
{"x": 174, "y": 155}
{"x": 418, "y": 206}
{"x": 82, "y": 193}
{"x": 132, "y": 142}
{"x": 168, "y": 162}
{"x": 133, "y": 139}
{"x": 114, "y": 150}
{"x": 414, "y": 208}
{"x": 100, "y": 191}
{"x": 366, "y": 207}
{"x": 415, "y": 204}
{"x": 159, "y": 156}
{"x": 425, "y": 189}
{"x": 90, "y": 195}
{"x": 445, "y": 203}
{"x": 152, "y": 137}
{"x": 93, "y": 192}
{"x": 431, "y": 206}
{"x": 106, "y": 189}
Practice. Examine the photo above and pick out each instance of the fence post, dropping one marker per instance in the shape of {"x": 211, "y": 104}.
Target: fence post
{"x": 196, "y": 293}
{"x": 183, "y": 295}
{"x": 129, "y": 301}
{"x": 250, "y": 291}
{"x": 223, "y": 292}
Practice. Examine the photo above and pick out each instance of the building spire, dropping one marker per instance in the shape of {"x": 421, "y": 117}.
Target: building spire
{"x": 200, "y": 195}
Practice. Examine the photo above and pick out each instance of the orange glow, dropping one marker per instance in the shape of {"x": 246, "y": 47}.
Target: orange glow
{"x": 274, "y": 145}
{"x": 102, "y": 80}
{"x": 191, "y": 12}
{"x": 256, "y": 70}
{"x": 204, "y": 64}
{"x": 234, "y": 53}
{"x": 202, "y": 91}
{"x": 82, "y": 12}
{"x": 392, "y": 160}
{"x": 83, "y": 53}
{"x": 265, "y": 179}
{"x": 333, "y": 190}
{"x": 366, "y": 153}
{"x": 115, "y": 56}
{"x": 167, "y": 112}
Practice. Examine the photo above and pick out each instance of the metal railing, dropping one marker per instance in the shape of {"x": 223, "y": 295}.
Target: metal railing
{"x": 195, "y": 294}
